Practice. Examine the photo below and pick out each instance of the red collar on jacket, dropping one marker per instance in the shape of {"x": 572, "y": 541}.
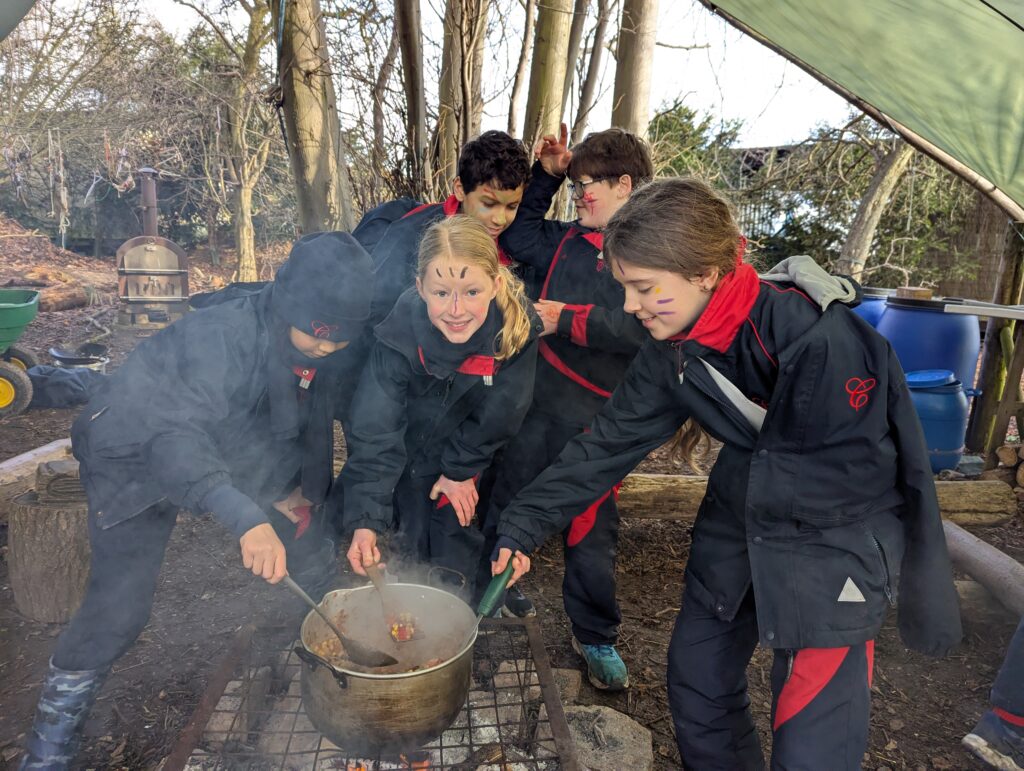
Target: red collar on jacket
{"x": 729, "y": 307}
{"x": 476, "y": 364}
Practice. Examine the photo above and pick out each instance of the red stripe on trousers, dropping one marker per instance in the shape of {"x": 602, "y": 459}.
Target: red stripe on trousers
{"x": 1010, "y": 718}
{"x": 812, "y": 670}
{"x": 584, "y": 523}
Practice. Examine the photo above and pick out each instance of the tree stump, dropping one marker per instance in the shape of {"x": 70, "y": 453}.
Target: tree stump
{"x": 47, "y": 557}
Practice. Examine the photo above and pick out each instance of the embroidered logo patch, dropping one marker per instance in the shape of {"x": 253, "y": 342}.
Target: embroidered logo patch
{"x": 858, "y": 390}
{"x": 851, "y": 593}
{"x": 323, "y": 330}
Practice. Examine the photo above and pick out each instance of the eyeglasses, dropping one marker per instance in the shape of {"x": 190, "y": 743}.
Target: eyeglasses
{"x": 578, "y": 189}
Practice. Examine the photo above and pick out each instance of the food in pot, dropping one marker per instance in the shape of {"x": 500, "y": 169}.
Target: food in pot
{"x": 330, "y": 650}
{"x": 403, "y": 628}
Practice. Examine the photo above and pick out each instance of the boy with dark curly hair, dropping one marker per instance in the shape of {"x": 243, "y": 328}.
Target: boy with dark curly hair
{"x": 493, "y": 170}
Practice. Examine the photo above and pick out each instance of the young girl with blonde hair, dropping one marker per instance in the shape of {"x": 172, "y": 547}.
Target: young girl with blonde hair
{"x": 820, "y": 509}
{"x": 448, "y": 383}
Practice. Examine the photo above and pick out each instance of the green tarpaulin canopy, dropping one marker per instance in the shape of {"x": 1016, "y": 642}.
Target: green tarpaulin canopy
{"x": 11, "y": 12}
{"x": 950, "y": 71}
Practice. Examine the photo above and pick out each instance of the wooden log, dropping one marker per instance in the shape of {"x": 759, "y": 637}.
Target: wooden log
{"x": 47, "y": 557}
{"x": 979, "y": 606}
{"x": 60, "y": 297}
{"x": 17, "y": 473}
{"x": 667, "y": 496}
{"x": 1008, "y": 454}
{"x": 1019, "y": 476}
{"x": 1005, "y": 475}
{"x": 1002, "y": 575}
{"x": 57, "y": 481}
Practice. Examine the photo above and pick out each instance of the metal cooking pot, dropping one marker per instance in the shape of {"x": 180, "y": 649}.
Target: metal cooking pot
{"x": 391, "y": 709}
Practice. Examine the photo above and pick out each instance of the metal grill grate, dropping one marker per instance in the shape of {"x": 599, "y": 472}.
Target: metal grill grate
{"x": 251, "y": 716}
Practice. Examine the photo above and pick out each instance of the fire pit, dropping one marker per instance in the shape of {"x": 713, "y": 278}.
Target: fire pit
{"x": 251, "y": 715}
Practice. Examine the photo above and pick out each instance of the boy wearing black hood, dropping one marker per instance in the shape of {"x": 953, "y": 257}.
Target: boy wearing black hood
{"x": 229, "y": 410}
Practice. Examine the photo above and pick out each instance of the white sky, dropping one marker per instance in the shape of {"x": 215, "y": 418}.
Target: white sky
{"x": 734, "y": 77}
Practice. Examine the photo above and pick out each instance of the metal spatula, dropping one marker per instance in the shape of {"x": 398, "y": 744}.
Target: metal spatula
{"x": 360, "y": 654}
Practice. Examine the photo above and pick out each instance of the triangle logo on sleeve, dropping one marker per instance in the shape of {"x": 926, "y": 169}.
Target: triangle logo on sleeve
{"x": 851, "y": 593}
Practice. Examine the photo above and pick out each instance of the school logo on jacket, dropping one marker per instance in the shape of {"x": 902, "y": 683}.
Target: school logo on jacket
{"x": 858, "y": 389}
{"x": 323, "y": 330}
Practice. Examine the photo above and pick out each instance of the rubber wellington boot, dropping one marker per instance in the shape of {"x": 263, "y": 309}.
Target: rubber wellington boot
{"x": 64, "y": 703}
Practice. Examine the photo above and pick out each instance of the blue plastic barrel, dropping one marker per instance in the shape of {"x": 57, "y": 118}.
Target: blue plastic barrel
{"x": 926, "y": 338}
{"x": 872, "y": 304}
{"x": 942, "y": 407}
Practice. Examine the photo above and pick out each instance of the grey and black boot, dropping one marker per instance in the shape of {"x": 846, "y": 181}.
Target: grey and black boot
{"x": 64, "y": 703}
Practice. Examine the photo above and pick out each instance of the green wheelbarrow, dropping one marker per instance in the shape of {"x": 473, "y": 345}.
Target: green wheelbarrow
{"x": 17, "y": 309}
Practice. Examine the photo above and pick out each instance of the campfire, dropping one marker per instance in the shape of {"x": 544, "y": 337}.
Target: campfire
{"x": 253, "y": 717}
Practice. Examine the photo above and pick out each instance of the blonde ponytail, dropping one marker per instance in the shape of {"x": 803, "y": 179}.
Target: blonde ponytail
{"x": 515, "y": 329}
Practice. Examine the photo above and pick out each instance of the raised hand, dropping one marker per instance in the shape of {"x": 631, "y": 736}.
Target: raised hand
{"x": 553, "y": 152}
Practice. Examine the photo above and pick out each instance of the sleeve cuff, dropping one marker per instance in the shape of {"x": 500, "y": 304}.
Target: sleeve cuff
{"x": 516, "y": 535}
{"x": 572, "y": 323}
{"x": 551, "y": 180}
{"x": 504, "y": 542}
{"x": 236, "y": 511}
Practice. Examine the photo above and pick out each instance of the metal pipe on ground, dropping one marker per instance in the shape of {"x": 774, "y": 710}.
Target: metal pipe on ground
{"x": 1000, "y": 573}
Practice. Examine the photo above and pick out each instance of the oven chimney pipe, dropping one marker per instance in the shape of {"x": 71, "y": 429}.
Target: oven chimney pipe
{"x": 149, "y": 211}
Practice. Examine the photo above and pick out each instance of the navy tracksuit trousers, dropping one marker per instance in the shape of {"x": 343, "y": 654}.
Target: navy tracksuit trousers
{"x": 590, "y": 542}
{"x": 820, "y": 697}
{"x": 1008, "y": 689}
{"x": 428, "y": 532}
{"x": 124, "y": 566}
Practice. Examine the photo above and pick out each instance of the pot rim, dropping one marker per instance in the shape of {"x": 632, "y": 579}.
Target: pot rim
{"x": 393, "y": 675}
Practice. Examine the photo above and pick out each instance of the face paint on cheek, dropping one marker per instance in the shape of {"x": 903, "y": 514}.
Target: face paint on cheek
{"x": 588, "y": 202}
{"x": 666, "y": 313}
{"x": 657, "y": 290}
{"x": 667, "y": 300}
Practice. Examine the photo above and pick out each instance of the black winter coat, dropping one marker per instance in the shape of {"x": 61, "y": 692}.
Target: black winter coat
{"x": 412, "y": 415}
{"x": 189, "y": 411}
{"x": 582, "y": 364}
{"x": 835, "y": 488}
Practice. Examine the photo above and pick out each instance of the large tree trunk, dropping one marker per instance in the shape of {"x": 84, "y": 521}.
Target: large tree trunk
{"x": 450, "y": 107}
{"x": 593, "y": 73}
{"x": 47, "y": 557}
{"x": 634, "y": 64}
{"x": 474, "y": 88}
{"x": 516, "y": 100}
{"x": 245, "y": 236}
{"x": 579, "y": 18}
{"x": 857, "y": 247}
{"x": 991, "y": 224}
{"x": 311, "y": 117}
{"x": 410, "y": 36}
{"x": 547, "y": 71}
{"x": 379, "y": 88}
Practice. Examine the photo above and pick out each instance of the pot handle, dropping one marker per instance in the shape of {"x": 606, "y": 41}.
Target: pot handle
{"x": 441, "y": 568}
{"x": 314, "y": 661}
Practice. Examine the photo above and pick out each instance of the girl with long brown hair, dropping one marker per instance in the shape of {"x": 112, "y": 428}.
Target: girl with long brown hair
{"x": 820, "y": 508}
